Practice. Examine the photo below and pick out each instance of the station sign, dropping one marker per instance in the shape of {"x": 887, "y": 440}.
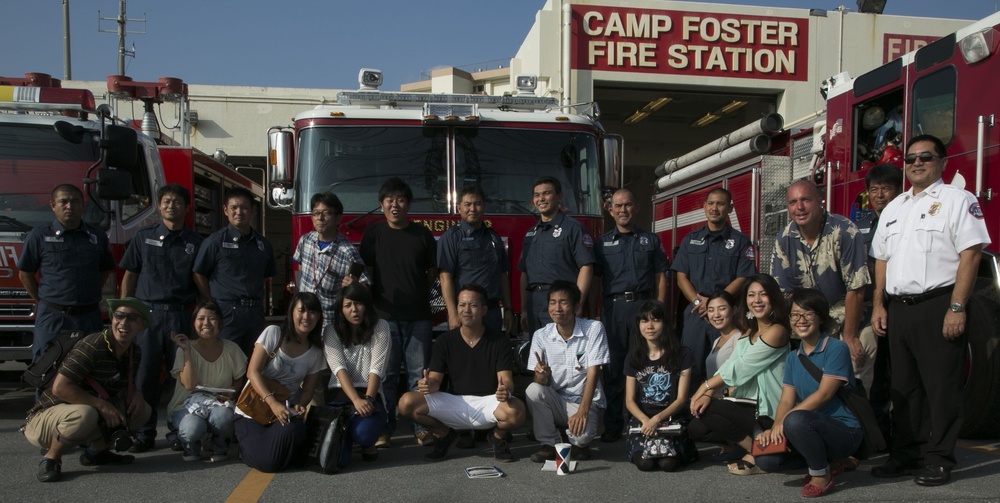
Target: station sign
{"x": 710, "y": 44}
{"x": 895, "y": 45}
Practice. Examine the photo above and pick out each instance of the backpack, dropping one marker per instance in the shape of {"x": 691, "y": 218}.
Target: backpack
{"x": 42, "y": 371}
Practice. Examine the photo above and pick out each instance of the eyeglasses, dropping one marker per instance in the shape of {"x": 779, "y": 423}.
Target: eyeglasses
{"x": 322, "y": 214}
{"x": 807, "y": 316}
{"x": 122, "y": 315}
{"x": 924, "y": 157}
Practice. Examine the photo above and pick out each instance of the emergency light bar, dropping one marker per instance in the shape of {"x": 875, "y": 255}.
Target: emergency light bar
{"x": 379, "y": 98}
{"x": 47, "y": 99}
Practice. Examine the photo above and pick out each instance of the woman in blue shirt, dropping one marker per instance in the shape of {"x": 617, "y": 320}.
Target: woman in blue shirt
{"x": 816, "y": 423}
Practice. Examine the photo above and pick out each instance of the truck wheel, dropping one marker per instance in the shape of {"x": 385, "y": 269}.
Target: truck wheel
{"x": 982, "y": 388}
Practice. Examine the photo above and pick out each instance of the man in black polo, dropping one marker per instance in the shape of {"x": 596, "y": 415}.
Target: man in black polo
{"x": 234, "y": 265}
{"x": 633, "y": 267}
{"x": 158, "y": 271}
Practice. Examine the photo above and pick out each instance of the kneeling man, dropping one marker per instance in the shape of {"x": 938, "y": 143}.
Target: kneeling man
{"x": 93, "y": 396}
{"x": 566, "y": 356}
{"x": 480, "y": 366}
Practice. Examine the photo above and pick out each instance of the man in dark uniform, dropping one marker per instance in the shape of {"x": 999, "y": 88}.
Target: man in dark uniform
{"x": 557, "y": 248}
{"x": 633, "y": 267}
{"x": 927, "y": 249}
{"x": 72, "y": 262}
{"x": 158, "y": 271}
{"x": 711, "y": 258}
{"x": 473, "y": 253}
{"x": 235, "y": 264}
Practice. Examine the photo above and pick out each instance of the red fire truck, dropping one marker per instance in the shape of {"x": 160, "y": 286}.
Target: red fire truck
{"x": 945, "y": 89}
{"x": 437, "y": 143}
{"x": 38, "y": 120}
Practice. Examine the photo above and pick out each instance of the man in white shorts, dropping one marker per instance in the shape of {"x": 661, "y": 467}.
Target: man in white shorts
{"x": 480, "y": 368}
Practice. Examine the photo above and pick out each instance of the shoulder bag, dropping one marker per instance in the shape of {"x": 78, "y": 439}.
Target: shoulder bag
{"x": 255, "y": 406}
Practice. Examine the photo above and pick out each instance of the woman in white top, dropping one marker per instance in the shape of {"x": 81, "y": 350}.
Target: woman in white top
{"x": 284, "y": 369}
{"x": 208, "y": 361}
{"x": 719, "y": 310}
{"x": 357, "y": 351}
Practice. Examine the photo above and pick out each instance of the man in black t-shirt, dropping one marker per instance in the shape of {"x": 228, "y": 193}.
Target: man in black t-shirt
{"x": 480, "y": 366}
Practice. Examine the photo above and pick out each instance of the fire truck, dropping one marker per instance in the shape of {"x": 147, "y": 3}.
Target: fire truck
{"x": 944, "y": 88}
{"x": 437, "y": 143}
{"x": 48, "y": 136}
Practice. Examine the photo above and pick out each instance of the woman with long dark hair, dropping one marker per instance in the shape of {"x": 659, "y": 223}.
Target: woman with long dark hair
{"x": 657, "y": 371}
{"x": 284, "y": 369}
{"x": 754, "y": 371}
{"x": 357, "y": 347}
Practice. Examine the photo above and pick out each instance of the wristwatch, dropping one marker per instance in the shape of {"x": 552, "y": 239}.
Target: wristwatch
{"x": 696, "y": 302}
{"x": 956, "y": 307}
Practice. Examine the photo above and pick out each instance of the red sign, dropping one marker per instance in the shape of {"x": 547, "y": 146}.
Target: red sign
{"x": 689, "y": 43}
{"x": 895, "y": 45}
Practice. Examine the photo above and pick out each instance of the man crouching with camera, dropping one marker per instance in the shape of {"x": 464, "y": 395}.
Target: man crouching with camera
{"x": 93, "y": 401}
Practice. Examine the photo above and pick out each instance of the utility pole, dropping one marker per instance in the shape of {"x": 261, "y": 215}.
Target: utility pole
{"x": 67, "y": 65}
{"x": 121, "y": 30}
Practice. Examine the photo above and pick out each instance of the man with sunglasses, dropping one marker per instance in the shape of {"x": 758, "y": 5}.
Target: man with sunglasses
{"x": 93, "y": 396}
{"x": 927, "y": 248}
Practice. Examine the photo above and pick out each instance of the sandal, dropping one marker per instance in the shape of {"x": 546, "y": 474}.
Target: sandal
{"x": 744, "y": 467}
{"x": 811, "y": 491}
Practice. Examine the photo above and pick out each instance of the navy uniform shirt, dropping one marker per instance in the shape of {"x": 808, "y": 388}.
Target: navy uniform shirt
{"x": 236, "y": 265}
{"x": 473, "y": 256}
{"x": 629, "y": 262}
{"x": 70, "y": 262}
{"x": 164, "y": 261}
{"x": 712, "y": 260}
{"x": 555, "y": 250}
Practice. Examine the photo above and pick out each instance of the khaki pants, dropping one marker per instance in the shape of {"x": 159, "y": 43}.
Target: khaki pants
{"x": 74, "y": 424}
{"x": 866, "y": 372}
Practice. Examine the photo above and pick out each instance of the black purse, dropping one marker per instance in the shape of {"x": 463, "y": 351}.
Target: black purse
{"x": 856, "y": 400}
{"x": 326, "y": 429}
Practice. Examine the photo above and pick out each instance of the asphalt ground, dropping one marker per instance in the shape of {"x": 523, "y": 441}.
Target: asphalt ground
{"x": 401, "y": 474}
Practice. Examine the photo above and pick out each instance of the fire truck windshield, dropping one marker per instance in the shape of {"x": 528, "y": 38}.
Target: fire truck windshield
{"x": 33, "y": 160}
{"x": 352, "y": 162}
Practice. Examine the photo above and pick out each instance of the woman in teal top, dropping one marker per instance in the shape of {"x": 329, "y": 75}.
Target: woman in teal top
{"x": 815, "y": 422}
{"x": 755, "y": 370}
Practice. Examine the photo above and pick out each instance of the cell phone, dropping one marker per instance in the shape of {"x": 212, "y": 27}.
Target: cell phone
{"x": 356, "y": 269}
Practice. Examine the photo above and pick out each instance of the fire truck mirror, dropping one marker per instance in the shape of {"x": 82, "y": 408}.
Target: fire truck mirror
{"x": 114, "y": 184}
{"x": 70, "y": 132}
{"x": 279, "y": 157}
{"x": 121, "y": 144}
{"x": 611, "y": 147}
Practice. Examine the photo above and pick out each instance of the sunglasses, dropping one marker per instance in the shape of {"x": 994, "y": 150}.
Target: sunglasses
{"x": 122, "y": 315}
{"x": 924, "y": 157}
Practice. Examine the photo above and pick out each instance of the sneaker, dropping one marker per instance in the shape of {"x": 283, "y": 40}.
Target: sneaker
{"x": 424, "y": 437}
{"x": 501, "y": 448}
{"x": 142, "y": 445}
{"x": 383, "y": 441}
{"x": 546, "y": 453}
{"x": 191, "y": 456}
{"x": 579, "y": 453}
{"x": 105, "y": 458}
{"x": 218, "y": 458}
{"x": 369, "y": 454}
{"x": 466, "y": 440}
{"x": 441, "y": 446}
{"x": 49, "y": 470}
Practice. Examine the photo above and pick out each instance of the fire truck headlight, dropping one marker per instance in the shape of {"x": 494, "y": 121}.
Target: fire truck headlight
{"x": 526, "y": 83}
{"x": 370, "y": 78}
{"x": 977, "y": 46}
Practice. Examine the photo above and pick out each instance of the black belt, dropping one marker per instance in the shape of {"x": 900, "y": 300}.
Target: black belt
{"x": 70, "y": 310}
{"x": 157, "y": 306}
{"x": 629, "y": 296}
{"x": 538, "y": 288}
{"x": 911, "y": 300}
{"x": 243, "y": 302}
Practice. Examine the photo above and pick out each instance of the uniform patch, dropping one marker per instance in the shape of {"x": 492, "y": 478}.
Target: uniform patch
{"x": 976, "y": 211}
{"x": 530, "y": 233}
{"x": 698, "y": 242}
{"x": 749, "y": 253}
{"x": 93, "y": 237}
{"x": 730, "y": 243}
{"x": 154, "y": 242}
{"x": 611, "y": 243}
{"x": 53, "y": 239}
{"x": 935, "y": 208}
{"x": 260, "y": 246}
{"x": 643, "y": 240}
{"x": 189, "y": 249}
{"x": 588, "y": 241}
{"x": 230, "y": 245}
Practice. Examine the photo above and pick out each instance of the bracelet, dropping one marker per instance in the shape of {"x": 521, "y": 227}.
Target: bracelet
{"x": 709, "y": 388}
{"x": 265, "y": 397}
{"x": 370, "y": 399}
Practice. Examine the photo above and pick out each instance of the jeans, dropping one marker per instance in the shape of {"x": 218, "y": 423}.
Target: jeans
{"x": 191, "y": 429}
{"x": 412, "y": 340}
{"x": 819, "y": 438}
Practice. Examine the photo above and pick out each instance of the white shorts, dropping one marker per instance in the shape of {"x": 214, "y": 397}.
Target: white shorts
{"x": 463, "y": 412}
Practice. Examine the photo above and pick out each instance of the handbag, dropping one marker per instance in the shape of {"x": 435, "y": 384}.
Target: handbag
{"x": 856, "y": 400}
{"x": 772, "y": 448}
{"x": 326, "y": 430}
{"x": 253, "y": 405}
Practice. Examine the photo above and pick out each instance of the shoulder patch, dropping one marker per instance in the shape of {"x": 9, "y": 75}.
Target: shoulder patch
{"x": 748, "y": 253}
{"x": 588, "y": 241}
{"x": 976, "y": 211}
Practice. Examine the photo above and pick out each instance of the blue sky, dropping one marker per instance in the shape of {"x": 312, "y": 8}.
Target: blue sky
{"x": 309, "y": 43}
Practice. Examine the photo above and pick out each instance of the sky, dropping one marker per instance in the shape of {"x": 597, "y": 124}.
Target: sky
{"x": 309, "y": 43}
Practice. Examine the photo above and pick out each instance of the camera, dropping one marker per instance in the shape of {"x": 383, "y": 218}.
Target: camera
{"x": 119, "y": 438}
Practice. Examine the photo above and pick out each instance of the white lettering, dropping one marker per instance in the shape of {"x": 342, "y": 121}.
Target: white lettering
{"x": 661, "y": 24}
{"x": 715, "y": 60}
{"x": 614, "y": 26}
{"x": 730, "y": 30}
{"x": 678, "y": 56}
{"x": 587, "y": 18}
{"x": 637, "y": 27}
{"x": 689, "y": 25}
{"x": 710, "y": 29}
